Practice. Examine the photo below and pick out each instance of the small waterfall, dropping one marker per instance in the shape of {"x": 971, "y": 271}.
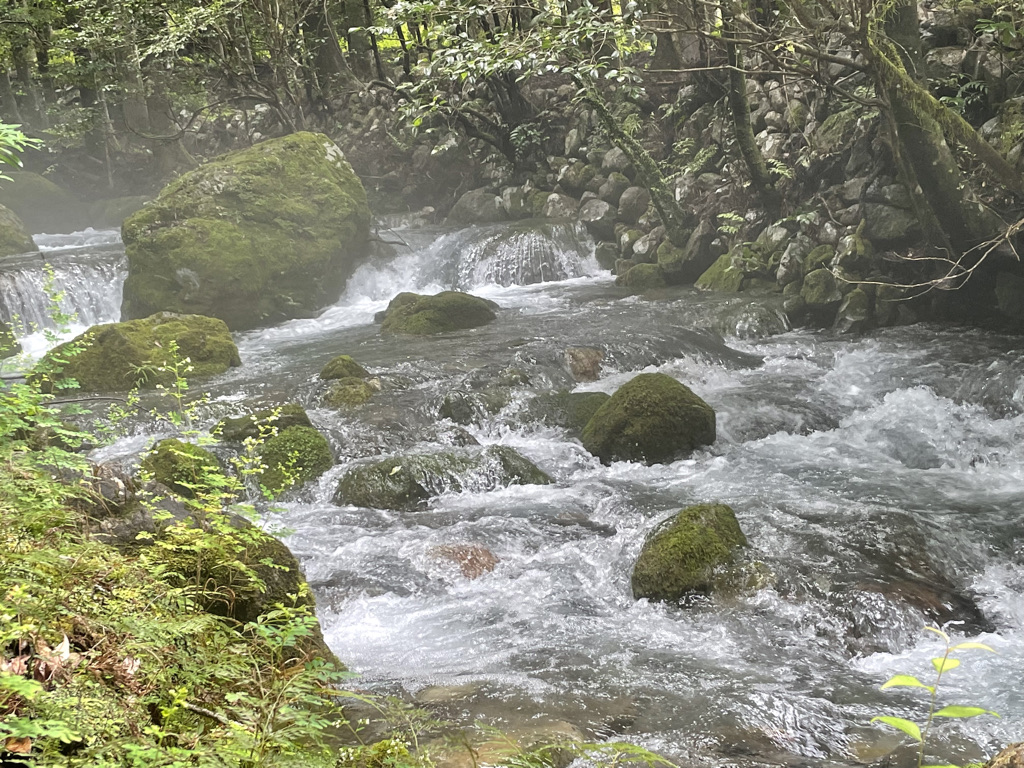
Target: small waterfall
{"x": 84, "y": 271}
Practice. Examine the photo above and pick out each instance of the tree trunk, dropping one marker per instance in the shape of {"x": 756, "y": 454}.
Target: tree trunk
{"x": 677, "y": 42}
{"x": 8, "y": 101}
{"x": 359, "y": 50}
{"x": 332, "y": 70}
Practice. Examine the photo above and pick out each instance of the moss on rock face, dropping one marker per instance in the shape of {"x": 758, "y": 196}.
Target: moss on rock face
{"x": 117, "y": 357}
{"x": 236, "y": 430}
{"x": 680, "y": 555}
{"x": 571, "y": 410}
{"x": 722, "y": 276}
{"x": 652, "y": 418}
{"x": 14, "y": 238}
{"x": 294, "y": 456}
{"x": 446, "y": 311}
{"x": 343, "y": 367}
{"x": 184, "y": 468}
{"x": 642, "y": 277}
{"x": 349, "y": 391}
{"x": 253, "y": 237}
{"x": 405, "y": 482}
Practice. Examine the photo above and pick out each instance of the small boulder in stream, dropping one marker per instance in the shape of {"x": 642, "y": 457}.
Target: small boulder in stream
{"x": 349, "y": 391}
{"x": 652, "y": 418}
{"x": 421, "y": 315}
{"x": 343, "y": 367}
{"x": 292, "y": 457}
{"x": 254, "y": 237}
{"x": 262, "y": 423}
{"x": 185, "y": 468}
{"x": 117, "y": 357}
{"x": 570, "y": 410}
{"x": 679, "y": 557}
{"x": 406, "y": 482}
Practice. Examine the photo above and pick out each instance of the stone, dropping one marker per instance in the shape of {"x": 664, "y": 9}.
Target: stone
{"x": 292, "y": 457}
{"x": 570, "y": 410}
{"x": 633, "y": 204}
{"x": 14, "y": 238}
{"x": 1010, "y": 757}
{"x": 606, "y": 255}
{"x": 853, "y": 252}
{"x": 41, "y": 205}
{"x": 791, "y": 265}
{"x": 854, "y": 314}
{"x": 575, "y": 175}
{"x": 652, "y": 418}
{"x": 262, "y": 423}
{"x": 473, "y": 560}
{"x": 888, "y": 301}
{"x": 820, "y": 289}
{"x": 343, "y": 367}
{"x": 599, "y": 219}
{"x": 680, "y": 556}
{"x": 683, "y": 266}
{"x": 406, "y": 482}
{"x": 642, "y": 277}
{"x": 645, "y": 249}
{"x": 117, "y": 357}
{"x": 573, "y": 142}
{"x": 722, "y": 276}
{"x": 447, "y": 311}
{"x": 478, "y": 206}
{"x": 584, "y": 362}
{"x": 515, "y": 201}
{"x": 558, "y": 206}
{"x": 113, "y": 211}
{"x": 253, "y": 237}
{"x": 616, "y": 161}
{"x": 1010, "y": 294}
{"x": 887, "y": 224}
{"x": 611, "y": 191}
{"x": 185, "y": 468}
{"x": 349, "y": 391}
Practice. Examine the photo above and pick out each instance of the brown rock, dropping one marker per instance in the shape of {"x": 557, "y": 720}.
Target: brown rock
{"x": 1011, "y": 757}
{"x": 584, "y": 362}
{"x": 473, "y": 560}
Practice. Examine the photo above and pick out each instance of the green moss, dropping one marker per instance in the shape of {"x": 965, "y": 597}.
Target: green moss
{"x": 820, "y": 289}
{"x": 404, "y": 483}
{"x": 343, "y": 367}
{"x": 571, "y": 410}
{"x": 446, "y": 311}
{"x": 652, "y": 418}
{"x": 642, "y": 277}
{"x": 722, "y": 276}
{"x": 14, "y": 238}
{"x": 294, "y": 456}
{"x": 819, "y": 258}
{"x": 680, "y": 555}
{"x": 236, "y": 430}
{"x": 837, "y": 130}
{"x": 349, "y": 391}
{"x": 118, "y": 356}
{"x": 183, "y": 467}
{"x": 113, "y": 211}
{"x": 253, "y": 237}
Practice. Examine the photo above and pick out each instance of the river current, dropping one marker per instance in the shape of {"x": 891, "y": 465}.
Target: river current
{"x": 879, "y": 480}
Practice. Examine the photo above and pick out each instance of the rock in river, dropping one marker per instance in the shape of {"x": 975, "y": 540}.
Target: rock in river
{"x": 421, "y": 315}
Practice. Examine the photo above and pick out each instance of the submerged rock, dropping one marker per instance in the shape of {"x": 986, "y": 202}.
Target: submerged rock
{"x": 652, "y": 418}
{"x": 186, "y": 469}
{"x": 343, "y": 367}
{"x": 14, "y": 237}
{"x": 403, "y": 483}
{"x": 262, "y": 423}
{"x": 292, "y": 457}
{"x": 681, "y": 554}
{"x": 473, "y": 560}
{"x": 253, "y": 237}
{"x": 584, "y": 362}
{"x": 349, "y": 391}
{"x": 570, "y": 410}
{"x": 446, "y": 311}
{"x": 117, "y": 357}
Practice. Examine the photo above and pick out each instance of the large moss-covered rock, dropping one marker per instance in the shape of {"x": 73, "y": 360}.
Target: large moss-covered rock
{"x": 42, "y": 205}
{"x": 262, "y": 423}
{"x": 186, "y": 469}
{"x": 652, "y": 418}
{"x": 343, "y": 367}
{"x": 292, "y": 457}
{"x": 14, "y": 238}
{"x": 406, "y": 482}
{"x": 120, "y": 356}
{"x": 446, "y": 311}
{"x": 722, "y": 276}
{"x": 349, "y": 390}
{"x": 680, "y": 556}
{"x": 254, "y": 237}
{"x": 570, "y": 410}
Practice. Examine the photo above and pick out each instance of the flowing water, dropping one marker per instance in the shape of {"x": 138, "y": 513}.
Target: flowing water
{"x": 878, "y": 479}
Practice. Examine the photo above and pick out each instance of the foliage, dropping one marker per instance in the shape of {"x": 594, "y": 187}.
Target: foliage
{"x": 941, "y": 664}
{"x": 12, "y": 143}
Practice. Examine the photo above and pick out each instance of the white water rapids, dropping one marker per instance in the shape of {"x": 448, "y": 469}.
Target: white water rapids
{"x": 865, "y": 471}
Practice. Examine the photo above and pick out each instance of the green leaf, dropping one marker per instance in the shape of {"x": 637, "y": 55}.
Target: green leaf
{"x": 908, "y": 727}
{"x": 905, "y": 681}
{"x": 974, "y": 646}
{"x": 957, "y": 711}
{"x": 942, "y": 664}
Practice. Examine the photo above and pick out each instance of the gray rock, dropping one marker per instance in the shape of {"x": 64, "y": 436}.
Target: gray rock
{"x": 573, "y": 142}
{"x": 478, "y": 206}
{"x": 515, "y": 202}
{"x": 599, "y": 219}
{"x": 616, "y": 160}
{"x": 633, "y": 204}
{"x": 575, "y": 175}
{"x": 884, "y": 223}
{"x": 684, "y": 265}
{"x": 1010, "y": 295}
{"x": 611, "y": 191}
{"x": 559, "y": 206}
{"x": 646, "y": 248}
{"x": 855, "y": 312}
{"x": 606, "y": 255}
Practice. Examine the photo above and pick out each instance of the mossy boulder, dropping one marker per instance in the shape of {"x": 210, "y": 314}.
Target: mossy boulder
{"x": 570, "y": 410}
{"x": 446, "y": 311}
{"x": 681, "y": 554}
{"x": 821, "y": 290}
{"x": 253, "y": 237}
{"x": 292, "y": 457}
{"x": 652, "y": 418}
{"x": 349, "y": 391}
{"x": 117, "y": 357}
{"x": 642, "y": 277}
{"x": 186, "y": 469}
{"x": 722, "y": 276}
{"x": 261, "y": 423}
{"x": 14, "y": 238}
{"x": 406, "y": 482}
{"x": 42, "y": 205}
{"x": 343, "y": 367}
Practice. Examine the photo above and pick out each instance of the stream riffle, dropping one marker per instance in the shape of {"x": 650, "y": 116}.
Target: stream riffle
{"x": 878, "y": 479}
